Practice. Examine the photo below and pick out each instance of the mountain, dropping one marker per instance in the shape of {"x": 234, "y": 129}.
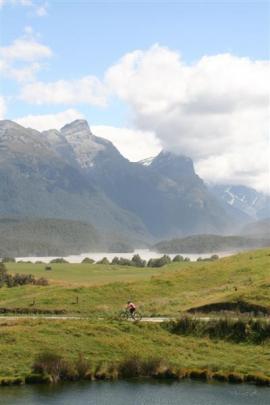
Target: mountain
{"x": 72, "y": 174}
{"x": 39, "y": 177}
{"x": 211, "y": 244}
{"x": 257, "y": 229}
{"x": 46, "y": 237}
{"x": 55, "y": 237}
{"x": 244, "y": 199}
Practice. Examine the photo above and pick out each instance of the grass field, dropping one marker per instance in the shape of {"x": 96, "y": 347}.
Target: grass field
{"x": 103, "y": 290}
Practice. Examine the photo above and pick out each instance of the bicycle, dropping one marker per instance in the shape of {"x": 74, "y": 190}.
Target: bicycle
{"x": 125, "y": 315}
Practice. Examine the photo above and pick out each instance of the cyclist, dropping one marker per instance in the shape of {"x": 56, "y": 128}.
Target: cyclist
{"x": 131, "y": 308}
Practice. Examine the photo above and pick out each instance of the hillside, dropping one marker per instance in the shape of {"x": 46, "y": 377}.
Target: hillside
{"x": 257, "y": 229}
{"x": 211, "y": 243}
{"x": 54, "y": 237}
{"x": 165, "y": 291}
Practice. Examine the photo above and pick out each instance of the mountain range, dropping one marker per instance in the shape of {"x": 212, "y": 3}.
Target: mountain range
{"x": 72, "y": 174}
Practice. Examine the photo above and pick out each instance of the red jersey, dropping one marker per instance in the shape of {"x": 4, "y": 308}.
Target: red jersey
{"x": 131, "y": 306}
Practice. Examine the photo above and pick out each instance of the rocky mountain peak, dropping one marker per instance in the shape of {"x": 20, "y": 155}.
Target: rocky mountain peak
{"x": 82, "y": 141}
{"x": 172, "y": 165}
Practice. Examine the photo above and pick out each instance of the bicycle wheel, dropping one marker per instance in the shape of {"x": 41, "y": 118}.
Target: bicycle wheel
{"x": 123, "y": 315}
{"x": 137, "y": 316}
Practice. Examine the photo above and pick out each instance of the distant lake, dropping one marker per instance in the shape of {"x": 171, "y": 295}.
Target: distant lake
{"x": 145, "y": 254}
{"x": 136, "y": 393}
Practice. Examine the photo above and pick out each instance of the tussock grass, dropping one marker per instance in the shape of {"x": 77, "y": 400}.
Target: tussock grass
{"x": 236, "y": 330}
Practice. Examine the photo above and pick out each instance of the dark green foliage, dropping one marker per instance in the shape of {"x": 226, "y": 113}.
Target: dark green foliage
{"x": 103, "y": 261}
{"x": 8, "y": 260}
{"x": 209, "y": 243}
{"x": 162, "y": 261}
{"x": 138, "y": 261}
{"x": 178, "y": 258}
{"x": 59, "y": 260}
{"x": 208, "y": 259}
{"x": 239, "y": 330}
{"x": 87, "y": 260}
{"x": 19, "y": 279}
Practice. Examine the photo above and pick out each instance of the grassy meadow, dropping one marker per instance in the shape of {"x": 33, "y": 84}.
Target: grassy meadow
{"x": 100, "y": 291}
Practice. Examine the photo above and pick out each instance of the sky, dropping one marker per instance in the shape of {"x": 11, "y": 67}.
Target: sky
{"x": 191, "y": 77}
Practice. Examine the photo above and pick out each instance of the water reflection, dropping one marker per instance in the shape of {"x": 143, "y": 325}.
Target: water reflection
{"x": 136, "y": 393}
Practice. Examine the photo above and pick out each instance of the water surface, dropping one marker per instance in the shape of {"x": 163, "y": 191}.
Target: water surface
{"x": 136, "y": 393}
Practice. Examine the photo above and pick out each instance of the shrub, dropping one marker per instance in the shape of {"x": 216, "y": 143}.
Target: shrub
{"x": 103, "y": 261}
{"x": 8, "y": 260}
{"x": 49, "y": 363}
{"x": 138, "y": 261}
{"x": 59, "y": 260}
{"x": 87, "y": 260}
{"x": 178, "y": 258}
{"x": 130, "y": 367}
{"x": 162, "y": 261}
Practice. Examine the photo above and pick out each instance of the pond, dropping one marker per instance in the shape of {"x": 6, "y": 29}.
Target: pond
{"x": 136, "y": 393}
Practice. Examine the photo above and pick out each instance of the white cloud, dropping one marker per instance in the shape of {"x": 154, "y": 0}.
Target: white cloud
{"x": 87, "y": 90}
{"x": 134, "y": 144}
{"x": 215, "y": 110}
{"x": 2, "y": 108}
{"x": 25, "y": 49}
{"x": 21, "y": 60}
{"x": 49, "y": 121}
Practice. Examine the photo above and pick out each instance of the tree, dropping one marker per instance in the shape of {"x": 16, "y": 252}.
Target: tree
{"x": 138, "y": 261}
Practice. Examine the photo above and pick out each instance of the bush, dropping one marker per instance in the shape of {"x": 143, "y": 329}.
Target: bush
{"x": 138, "y": 261}
{"x": 130, "y": 367}
{"x": 103, "y": 261}
{"x": 87, "y": 260}
{"x": 178, "y": 258}
{"x": 8, "y": 260}
{"x": 162, "y": 261}
{"x": 59, "y": 260}
{"x": 19, "y": 279}
{"x": 52, "y": 364}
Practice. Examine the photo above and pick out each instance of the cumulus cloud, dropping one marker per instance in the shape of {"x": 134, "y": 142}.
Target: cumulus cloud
{"x": 215, "y": 110}
{"x": 88, "y": 89}
{"x": 21, "y": 60}
{"x": 49, "y": 121}
{"x": 134, "y": 144}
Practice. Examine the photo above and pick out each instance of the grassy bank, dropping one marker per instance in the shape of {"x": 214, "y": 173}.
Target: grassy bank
{"x": 104, "y": 344}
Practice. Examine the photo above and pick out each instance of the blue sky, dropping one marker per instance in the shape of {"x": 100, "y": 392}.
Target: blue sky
{"x": 88, "y": 37}
{"x": 73, "y": 40}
